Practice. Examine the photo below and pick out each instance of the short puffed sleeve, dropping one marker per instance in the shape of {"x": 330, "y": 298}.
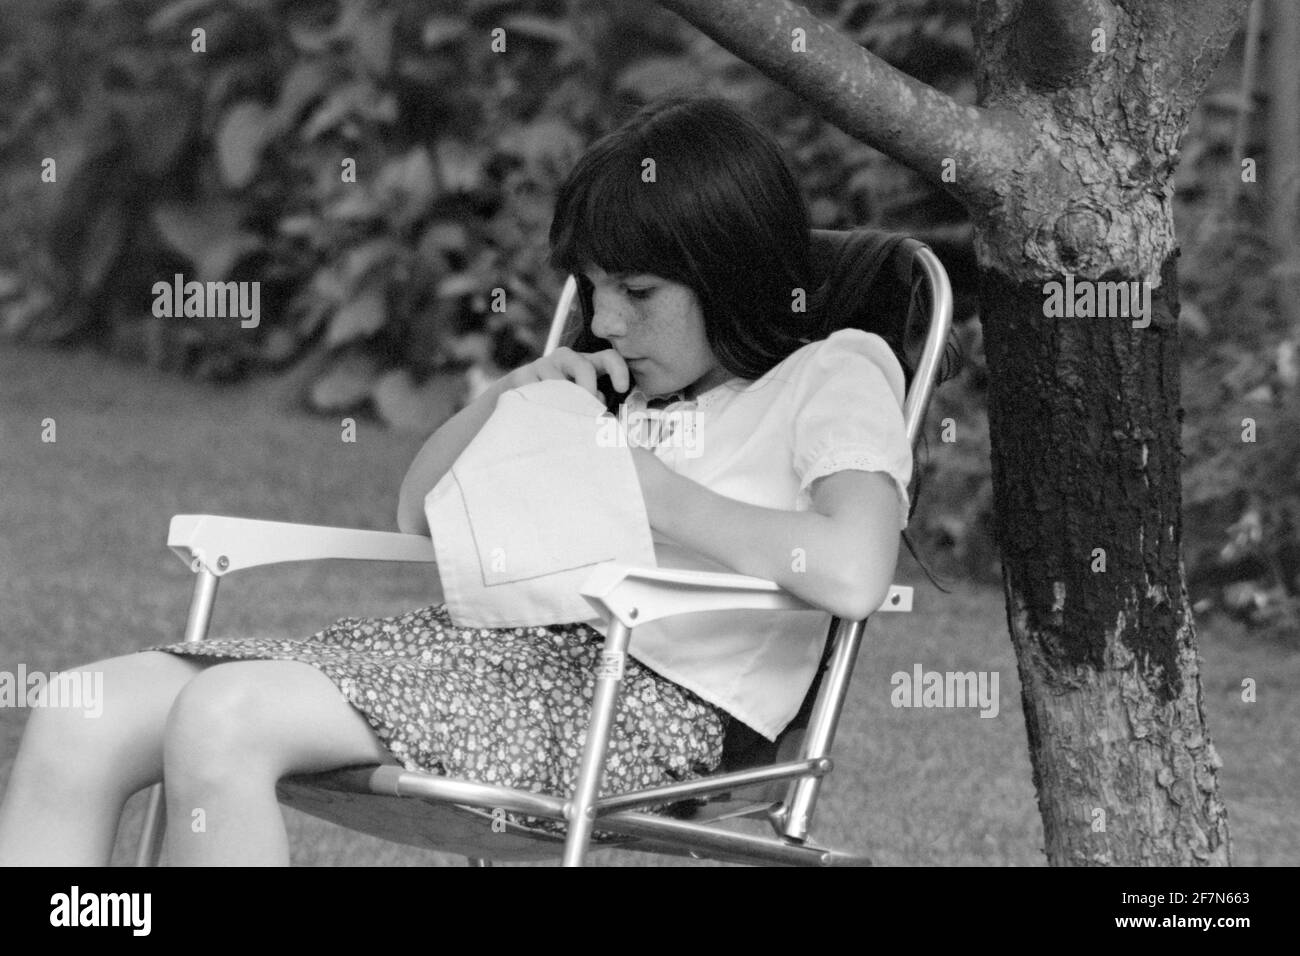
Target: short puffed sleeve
{"x": 849, "y": 413}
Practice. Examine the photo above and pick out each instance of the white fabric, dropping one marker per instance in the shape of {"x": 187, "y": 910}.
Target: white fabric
{"x": 533, "y": 503}
{"x": 834, "y": 404}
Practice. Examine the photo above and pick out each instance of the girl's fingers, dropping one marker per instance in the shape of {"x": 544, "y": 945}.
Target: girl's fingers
{"x": 551, "y": 367}
{"x": 613, "y": 365}
{"x": 581, "y": 368}
{"x": 578, "y": 367}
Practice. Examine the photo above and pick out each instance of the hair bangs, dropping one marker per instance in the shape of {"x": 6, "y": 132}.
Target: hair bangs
{"x": 611, "y": 219}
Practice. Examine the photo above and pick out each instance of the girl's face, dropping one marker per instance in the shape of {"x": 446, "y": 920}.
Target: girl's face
{"x": 658, "y": 327}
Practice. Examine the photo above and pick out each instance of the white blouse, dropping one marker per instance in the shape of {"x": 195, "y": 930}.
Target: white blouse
{"x": 834, "y": 404}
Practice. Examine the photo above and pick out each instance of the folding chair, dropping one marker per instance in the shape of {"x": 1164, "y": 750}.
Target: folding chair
{"x": 777, "y": 782}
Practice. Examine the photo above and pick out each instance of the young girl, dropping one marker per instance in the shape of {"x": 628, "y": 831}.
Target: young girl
{"x": 691, "y": 243}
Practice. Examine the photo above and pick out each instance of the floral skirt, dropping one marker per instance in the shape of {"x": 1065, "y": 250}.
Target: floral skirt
{"x": 504, "y": 706}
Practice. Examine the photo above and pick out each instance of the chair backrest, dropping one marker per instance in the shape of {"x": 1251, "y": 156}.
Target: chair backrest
{"x": 894, "y": 285}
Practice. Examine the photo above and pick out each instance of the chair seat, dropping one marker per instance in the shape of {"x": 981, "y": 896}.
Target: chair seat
{"x": 345, "y": 797}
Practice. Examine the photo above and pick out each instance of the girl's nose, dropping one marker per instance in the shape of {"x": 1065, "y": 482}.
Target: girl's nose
{"x": 607, "y": 319}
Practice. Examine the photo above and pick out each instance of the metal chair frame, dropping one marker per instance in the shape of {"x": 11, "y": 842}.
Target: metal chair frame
{"x": 377, "y": 799}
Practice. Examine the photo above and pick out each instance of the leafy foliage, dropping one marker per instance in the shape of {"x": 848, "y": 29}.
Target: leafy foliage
{"x": 229, "y": 164}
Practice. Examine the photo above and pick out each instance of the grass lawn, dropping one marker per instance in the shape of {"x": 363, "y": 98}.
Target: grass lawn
{"x": 85, "y": 574}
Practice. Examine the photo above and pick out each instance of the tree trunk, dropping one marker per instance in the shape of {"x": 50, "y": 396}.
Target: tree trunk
{"x": 1088, "y": 517}
{"x": 1085, "y": 425}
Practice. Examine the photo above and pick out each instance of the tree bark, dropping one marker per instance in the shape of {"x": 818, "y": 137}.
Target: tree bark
{"x": 1066, "y": 168}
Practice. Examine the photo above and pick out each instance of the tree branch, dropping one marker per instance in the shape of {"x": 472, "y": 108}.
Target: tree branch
{"x": 1190, "y": 37}
{"x": 865, "y": 96}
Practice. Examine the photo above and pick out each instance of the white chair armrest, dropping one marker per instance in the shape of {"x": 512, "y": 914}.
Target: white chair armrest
{"x": 224, "y": 544}
{"x": 635, "y": 596}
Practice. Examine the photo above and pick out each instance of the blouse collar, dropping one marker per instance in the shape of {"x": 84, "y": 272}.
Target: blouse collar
{"x": 637, "y": 399}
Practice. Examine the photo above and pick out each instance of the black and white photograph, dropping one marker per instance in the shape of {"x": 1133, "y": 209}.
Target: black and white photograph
{"x": 850, "y": 433}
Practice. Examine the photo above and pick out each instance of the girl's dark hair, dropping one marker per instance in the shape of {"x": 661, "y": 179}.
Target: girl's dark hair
{"x": 691, "y": 189}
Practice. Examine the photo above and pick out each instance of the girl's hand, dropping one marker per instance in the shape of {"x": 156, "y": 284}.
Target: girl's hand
{"x": 578, "y": 367}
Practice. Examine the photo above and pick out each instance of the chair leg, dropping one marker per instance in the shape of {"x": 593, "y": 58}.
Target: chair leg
{"x": 609, "y": 679}
{"x": 155, "y": 823}
{"x": 196, "y": 629}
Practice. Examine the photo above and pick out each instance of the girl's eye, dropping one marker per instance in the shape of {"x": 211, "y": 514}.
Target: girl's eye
{"x": 639, "y": 293}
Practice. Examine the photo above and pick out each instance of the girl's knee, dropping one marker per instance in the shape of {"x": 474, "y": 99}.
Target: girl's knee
{"x": 212, "y": 729}
{"x": 247, "y": 722}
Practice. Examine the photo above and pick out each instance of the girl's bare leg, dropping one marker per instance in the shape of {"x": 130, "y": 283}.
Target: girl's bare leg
{"x": 233, "y": 732}
{"x": 74, "y": 770}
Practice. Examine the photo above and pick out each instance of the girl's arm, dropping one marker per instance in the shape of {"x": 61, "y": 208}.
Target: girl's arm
{"x": 442, "y": 449}
{"x": 839, "y": 556}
